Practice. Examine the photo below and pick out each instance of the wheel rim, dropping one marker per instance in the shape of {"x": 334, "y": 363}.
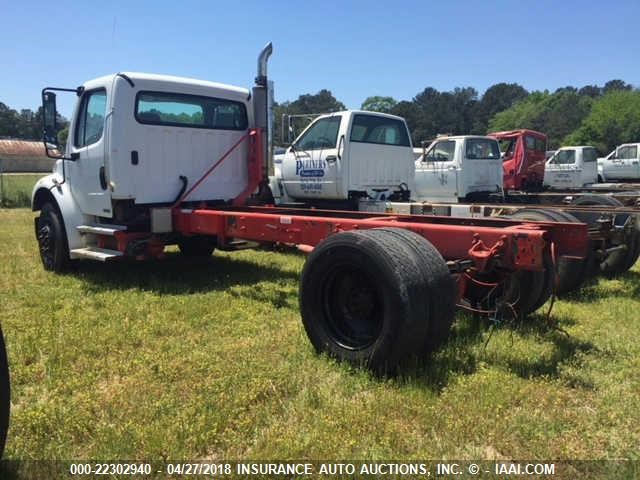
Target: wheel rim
{"x": 46, "y": 242}
{"x": 353, "y": 307}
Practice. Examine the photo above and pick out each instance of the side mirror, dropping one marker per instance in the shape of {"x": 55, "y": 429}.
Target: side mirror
{"x": 49, "y": 114}
{"x": 50, "y": 127}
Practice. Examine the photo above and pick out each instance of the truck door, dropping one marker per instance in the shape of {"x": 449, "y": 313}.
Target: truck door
{"x": 624, "y": 164}
{"x": 589, "y": 173}
{"x": 312, "y": 165}
{"x": 481, "y": 169}
{"x": 562, "y": 171}
{"x": 436, "y": 176}
{"x": 380, "y": 155}
{"x": 87, "y": 174}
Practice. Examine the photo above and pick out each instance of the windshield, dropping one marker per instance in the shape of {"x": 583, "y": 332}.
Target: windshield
{"x": 481, "y": 149}
{"x": 507, "y": 147}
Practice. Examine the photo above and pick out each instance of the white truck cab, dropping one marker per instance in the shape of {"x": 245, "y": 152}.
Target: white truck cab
{"x": 460, "y": 167}
{"x": 345, "y": 156}
{"x": 571, "y": 167}
{"x": 139, "y": 140}
{"x": 623, "y": 163}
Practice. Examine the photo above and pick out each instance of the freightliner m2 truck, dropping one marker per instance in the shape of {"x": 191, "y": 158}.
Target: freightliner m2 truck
{"x": 155, "y": 160}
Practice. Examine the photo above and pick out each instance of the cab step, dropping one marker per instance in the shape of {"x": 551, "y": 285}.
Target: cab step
{"x": 94, "y": 253}
{"x": 102, "y": 229}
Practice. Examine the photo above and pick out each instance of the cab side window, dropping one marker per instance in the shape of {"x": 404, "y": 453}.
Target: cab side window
{"x": 91, "y": 118}
{"x": 590, "y": 155}
{"x": 627, "y": 152}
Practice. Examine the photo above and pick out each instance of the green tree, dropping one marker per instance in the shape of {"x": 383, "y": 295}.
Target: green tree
{"x": 379, "y": 104}
{"x": 613, "y": 85}
{"x": 614, "y": 119}
{"x": 556, "y": 114}
{"x": 496, "y": 98}
{"x": 411, "y": 113}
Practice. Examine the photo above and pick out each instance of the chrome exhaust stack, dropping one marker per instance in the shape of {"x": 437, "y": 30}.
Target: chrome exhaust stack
{"x": 263, "y": 111}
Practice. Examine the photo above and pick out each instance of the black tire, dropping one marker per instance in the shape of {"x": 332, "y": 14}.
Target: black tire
{"x": 618, "y": 261}
{"x": 5, "y": 394}
{"x": 633, "y": 244}
{"x": 197, "y": 246}
{"x": 52, "y": 239}
{"x": 367, "y": 297}
{"x": 569, "y": 273}
{"x": 433, "y": 266}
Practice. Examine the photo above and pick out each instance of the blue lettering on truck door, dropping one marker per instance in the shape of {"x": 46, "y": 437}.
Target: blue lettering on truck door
{"x": 310, "y": 173}
{"x": 310, "y": 168}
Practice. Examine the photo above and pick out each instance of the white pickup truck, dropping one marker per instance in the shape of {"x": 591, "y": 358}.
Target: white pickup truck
{"x": 621, "y": 164}
{"x": 571, "y": 167}
{"x": 456, "y": 168}
{"x": 355, "y": 156}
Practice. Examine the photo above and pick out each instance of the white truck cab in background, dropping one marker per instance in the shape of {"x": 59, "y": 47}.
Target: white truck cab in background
{"x": 623, "y": 163}
{"x": 571, "y": 167}
{"x": 455, "y": 168}
{"x": 345, "y": 156}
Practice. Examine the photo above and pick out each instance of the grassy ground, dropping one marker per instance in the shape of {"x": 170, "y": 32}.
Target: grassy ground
{"x": 182, "y": 359}
{"x": 15, "y": 189}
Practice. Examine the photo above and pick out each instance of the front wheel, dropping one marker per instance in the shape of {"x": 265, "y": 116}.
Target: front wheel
{"x": 52, "y": 239}
{"x": 5, "y": 394}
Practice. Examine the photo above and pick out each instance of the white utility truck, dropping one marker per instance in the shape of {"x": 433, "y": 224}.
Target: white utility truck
{"x": 571, "y": 168}
{"x": 623, "y": 163}
{"x": 458, "y": 168}
{"x": 344, "y": 156}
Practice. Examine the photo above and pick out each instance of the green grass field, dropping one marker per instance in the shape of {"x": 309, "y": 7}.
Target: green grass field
{"x": 15, "y": 189}
{"x": 209, "y": 360}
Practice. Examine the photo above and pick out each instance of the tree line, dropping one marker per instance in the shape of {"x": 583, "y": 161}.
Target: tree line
{"x": 602, "y": 116}
{"x": 26, "y": 124}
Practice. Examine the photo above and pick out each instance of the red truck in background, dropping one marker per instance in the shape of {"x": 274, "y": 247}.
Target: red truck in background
{"x": 523, "y": 158}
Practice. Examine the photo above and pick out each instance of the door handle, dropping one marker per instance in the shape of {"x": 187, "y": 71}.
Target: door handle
{"x": 331, "y": 159}
{"x": 102, "y": 177}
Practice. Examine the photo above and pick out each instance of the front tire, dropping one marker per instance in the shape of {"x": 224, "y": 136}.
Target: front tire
{"x": 52, "y": 239}
{"x": 5, "y": 394}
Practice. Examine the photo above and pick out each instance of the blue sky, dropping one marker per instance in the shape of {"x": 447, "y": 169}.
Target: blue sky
{"x": 354, "y": 48}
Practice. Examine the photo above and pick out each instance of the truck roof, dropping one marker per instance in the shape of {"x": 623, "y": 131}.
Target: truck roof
{"x": 459, "y": 137}
{"x": 366, "y": 112}
{"x": 514, "y": 133}
{"x": 575, "y": 146}
{"x": 177, "y": 82}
